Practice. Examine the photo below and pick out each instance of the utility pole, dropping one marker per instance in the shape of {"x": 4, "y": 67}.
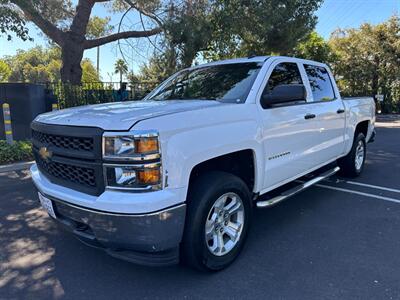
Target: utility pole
{"x": 98, "y": 61}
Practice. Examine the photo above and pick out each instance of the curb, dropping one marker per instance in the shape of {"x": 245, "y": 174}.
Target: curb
{"x": 16, "y": 166}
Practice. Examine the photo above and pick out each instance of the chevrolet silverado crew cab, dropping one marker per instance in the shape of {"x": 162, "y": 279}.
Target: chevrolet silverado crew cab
{"x": 177, "y": 174}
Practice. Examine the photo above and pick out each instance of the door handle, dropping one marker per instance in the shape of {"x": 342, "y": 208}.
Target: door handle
{"x": 340, "y": 111}
{"x": 309, "y": 116}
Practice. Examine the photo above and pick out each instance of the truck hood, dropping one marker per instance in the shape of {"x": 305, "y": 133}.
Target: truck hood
{"x": 120, "y": 115}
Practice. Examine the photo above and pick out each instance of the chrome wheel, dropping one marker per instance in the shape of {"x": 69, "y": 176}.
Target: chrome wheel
{"x": 224, "y": 224}
{"x": 360, "y": 153}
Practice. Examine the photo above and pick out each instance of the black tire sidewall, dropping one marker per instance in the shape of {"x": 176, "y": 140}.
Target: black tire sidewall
{"x": 360, "y": 137}
{"x": 347, "y": 163}
{"x": 217, "y": 183}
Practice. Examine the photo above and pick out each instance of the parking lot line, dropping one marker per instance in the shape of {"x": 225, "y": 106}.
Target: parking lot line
{"x": 373, "y": 186}
{"x": 358, "y": 193}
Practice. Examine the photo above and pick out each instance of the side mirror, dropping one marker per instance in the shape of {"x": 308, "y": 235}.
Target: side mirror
{"x": 284, "y": 93}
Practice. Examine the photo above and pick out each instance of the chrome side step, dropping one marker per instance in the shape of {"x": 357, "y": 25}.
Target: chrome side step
{"x": 289, "y": 193}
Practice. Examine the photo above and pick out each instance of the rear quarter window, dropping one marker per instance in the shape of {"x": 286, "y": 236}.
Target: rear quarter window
{"x": 320, "y": 82}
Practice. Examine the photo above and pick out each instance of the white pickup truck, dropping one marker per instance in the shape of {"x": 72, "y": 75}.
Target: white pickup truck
{"x": 177, "y": 174}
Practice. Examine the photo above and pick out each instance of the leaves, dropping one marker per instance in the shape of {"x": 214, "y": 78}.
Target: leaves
{"x": 41, "y": 65}
{"x": 368, "y": 61}
{"x": 11, "y": 21}
{"x": 18, "y": 151}
{"x": 120, "y": 67}
{"x": 314, "y": 47}
{"x": 98, "y": 27}
{"x": 5, "y": 71}
{"x": 260, "y": 27}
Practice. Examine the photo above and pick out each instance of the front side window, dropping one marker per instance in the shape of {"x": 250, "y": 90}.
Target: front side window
{"x": 283, "y": 74}
{"x": 226, "y": 83}
{"x": 320, "y": 82}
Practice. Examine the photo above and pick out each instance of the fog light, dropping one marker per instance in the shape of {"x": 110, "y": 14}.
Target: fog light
{"x": 124, "y": 176}
{"x": 144, "y": 177}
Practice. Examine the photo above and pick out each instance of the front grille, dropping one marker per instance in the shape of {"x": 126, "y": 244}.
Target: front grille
{"x": 73, "y": 156}
{"x": 64, "y": 142}
{"x": 74, "y": 174}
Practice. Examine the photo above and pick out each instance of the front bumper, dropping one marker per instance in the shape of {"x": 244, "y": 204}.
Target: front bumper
{"x": 150, "y": 238}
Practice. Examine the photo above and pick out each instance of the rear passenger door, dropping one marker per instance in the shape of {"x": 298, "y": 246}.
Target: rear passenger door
{"x": 329, "y": 111}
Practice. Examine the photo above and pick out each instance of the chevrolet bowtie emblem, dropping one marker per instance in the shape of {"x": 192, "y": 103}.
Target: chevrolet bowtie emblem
{"x": 45, "y": 153}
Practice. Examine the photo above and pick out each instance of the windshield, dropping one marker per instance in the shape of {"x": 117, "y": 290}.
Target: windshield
{"x": 226, "y": 83}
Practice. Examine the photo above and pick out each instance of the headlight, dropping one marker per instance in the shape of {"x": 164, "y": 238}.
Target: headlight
{"x": 132, "y": 161}
{"x": 142, "y": 177}
{"x": 140, "y": 146}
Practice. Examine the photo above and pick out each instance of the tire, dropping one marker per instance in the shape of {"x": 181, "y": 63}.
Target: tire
{"x": 203, "y": 203}
{"x": 352, "y": 164}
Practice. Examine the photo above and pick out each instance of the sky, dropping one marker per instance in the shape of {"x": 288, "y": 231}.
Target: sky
{"x": 331, "y": 15}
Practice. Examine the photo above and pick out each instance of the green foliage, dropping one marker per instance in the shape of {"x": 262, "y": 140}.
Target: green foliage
{"x": 159, "y": 67}
{"x": 98, "y": 27}
{"x": 89, "y": 73}
{"x": 314, "y": 47}
{"x": 43, "y": 65}
{"x": 11, "y": 21}
{"x": 260, "y": 27}
{"x": 367, "y": 60}
{"x": 19, "y": 151}
{"x": 188, "y": 29}
{"x": 120, "y": 67}
{"x": 5, "y": 71}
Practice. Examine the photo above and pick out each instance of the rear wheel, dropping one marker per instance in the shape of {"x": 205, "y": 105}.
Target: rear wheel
{"x": 217, "y": 221}
{"x": 353, "y": 163}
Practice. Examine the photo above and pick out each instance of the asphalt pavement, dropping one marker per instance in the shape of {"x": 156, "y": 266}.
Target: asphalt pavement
{"x": 338, "y": 240}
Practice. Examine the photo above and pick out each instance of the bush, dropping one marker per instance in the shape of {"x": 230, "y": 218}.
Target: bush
{"x": 19, "y": 151}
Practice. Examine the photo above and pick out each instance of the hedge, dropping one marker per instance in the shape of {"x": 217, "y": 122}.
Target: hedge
{"x": 19, "y": 151}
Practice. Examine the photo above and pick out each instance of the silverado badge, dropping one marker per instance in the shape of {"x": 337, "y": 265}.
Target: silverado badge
{"x": 45, "y": 153}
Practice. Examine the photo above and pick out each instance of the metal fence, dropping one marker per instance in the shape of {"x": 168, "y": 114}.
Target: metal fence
{"x": 68, "y": 95}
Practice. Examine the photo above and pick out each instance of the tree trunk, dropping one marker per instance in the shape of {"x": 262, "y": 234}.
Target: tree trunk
{"x": 71, "y": 54}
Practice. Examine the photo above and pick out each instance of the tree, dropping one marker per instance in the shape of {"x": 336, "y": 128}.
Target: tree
{"x": 43, "y": 65}
{"x": 314, "y": 47}
{"x": 67, "y": 27}
{"x": 188, "y": 29}
{"x": 159, "y": 67}
{"x": 121, "y": 67}
{"x": 242, "y": 28}
{"x": 5, "y": 71}
{"x": 11, "y": 22}
{"x": 368, "y": 61}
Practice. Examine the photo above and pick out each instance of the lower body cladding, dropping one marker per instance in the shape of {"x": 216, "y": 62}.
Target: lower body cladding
{"x": 147, "y": 239}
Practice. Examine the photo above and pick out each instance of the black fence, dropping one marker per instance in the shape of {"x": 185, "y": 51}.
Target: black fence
{"x": 68, "y": 95}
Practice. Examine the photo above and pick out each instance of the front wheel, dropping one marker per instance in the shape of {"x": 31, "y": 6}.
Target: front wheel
{"x": 217, "y": 221}
{"x": 353, "y": 163}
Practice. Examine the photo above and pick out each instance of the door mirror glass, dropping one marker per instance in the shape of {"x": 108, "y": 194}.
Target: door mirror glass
{"x": 283, "y": 93}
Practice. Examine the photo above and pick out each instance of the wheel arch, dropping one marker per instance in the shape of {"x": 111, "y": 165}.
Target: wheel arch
{"x": 362, "y": 127}
{"x": 241, "y": 163}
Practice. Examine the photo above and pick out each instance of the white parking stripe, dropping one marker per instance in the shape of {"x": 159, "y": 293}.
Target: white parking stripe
{"x": 373, "y": 186}
{"x": 358, "y": 193}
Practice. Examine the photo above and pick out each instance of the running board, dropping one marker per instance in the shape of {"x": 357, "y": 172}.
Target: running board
{"x": 293, "y": 191}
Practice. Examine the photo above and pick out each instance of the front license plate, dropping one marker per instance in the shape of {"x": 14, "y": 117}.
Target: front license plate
{"x": 47, "y": 205}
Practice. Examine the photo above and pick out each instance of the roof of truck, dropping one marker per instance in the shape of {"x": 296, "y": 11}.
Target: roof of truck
{"x": 235, "y": 61}
{"x": 256, "y": 59}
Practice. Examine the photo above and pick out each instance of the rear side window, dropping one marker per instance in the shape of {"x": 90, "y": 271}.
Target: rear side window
{"x": 284, "y": 73}
{"x": 320, "y": 82}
